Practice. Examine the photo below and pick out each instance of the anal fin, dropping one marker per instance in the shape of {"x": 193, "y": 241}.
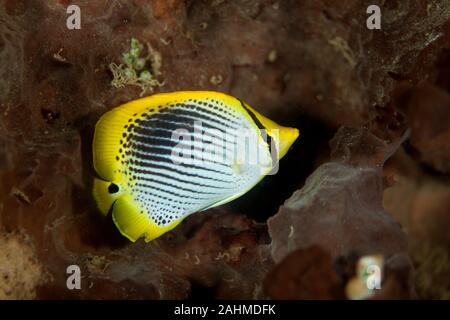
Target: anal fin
{"x": 133, "y": 224}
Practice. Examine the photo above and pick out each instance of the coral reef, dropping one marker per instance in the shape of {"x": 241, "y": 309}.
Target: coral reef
{"x": 340, "y": 209}
{"x": 307, "y": 64}
{"x": 305, "y": 274}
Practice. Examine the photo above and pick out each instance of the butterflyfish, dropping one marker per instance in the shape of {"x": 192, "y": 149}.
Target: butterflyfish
{"x": 163, "y": 157}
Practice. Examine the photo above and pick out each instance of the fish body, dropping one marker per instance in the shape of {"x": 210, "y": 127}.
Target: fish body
{"x": 166, "y": 156}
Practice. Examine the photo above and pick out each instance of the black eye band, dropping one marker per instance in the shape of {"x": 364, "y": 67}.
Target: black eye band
{"x": 113, "y": 188}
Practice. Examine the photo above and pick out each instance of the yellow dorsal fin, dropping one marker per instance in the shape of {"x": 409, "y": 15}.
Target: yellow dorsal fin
{"x": 110, "y": 129}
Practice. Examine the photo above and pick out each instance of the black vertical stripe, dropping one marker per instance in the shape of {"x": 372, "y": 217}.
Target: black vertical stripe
{"x": 185, "y": 173}
{"x": 262, "y": 129}
{"x": 171, "y": 177}
{"x": 159, "y": 159}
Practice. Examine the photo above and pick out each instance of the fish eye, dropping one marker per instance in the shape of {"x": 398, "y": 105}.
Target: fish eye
{"x": 113, "y": 188}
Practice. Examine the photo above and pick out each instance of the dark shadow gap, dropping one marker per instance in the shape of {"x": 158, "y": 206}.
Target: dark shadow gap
{"x": 265, "y": 198}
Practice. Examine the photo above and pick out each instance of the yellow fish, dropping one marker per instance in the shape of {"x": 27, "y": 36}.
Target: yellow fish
{"x": 166, "y": 156}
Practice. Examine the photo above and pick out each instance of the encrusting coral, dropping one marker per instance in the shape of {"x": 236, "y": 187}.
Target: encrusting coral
{"x": 313, "y": 65}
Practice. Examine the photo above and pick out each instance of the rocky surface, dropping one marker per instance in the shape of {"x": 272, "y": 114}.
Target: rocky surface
{"x": 340, "y": 210}
{"x": 311, "y": 64}
{"x": 20, "y": 272}
{"x": 340, "y": 206}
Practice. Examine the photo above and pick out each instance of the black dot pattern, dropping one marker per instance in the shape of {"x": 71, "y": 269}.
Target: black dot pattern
{"x": 165, "y": 192}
